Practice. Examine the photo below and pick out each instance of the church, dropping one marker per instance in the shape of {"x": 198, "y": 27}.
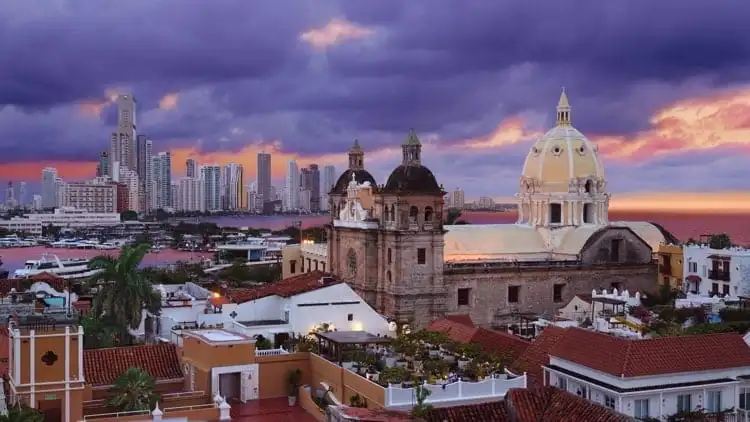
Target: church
{"x": 390, "y": 243}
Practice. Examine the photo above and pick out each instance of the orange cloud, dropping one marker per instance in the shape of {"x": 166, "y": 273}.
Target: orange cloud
{"x": 708, "y": 202}
{"x": 169, "y": 101}
{"x": 692, "y": 124}
{"x": 510, "y": 131}
{"x": 33, "y": 170}
{"x": 335, "y": 32}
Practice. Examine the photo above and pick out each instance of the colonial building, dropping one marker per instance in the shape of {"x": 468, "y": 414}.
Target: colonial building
{"x": 390, "y": 244}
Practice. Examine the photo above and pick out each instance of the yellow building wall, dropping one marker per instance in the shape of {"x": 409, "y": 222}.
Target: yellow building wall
{"x": 670, "y": 265}
{"x": 289, "y": 254}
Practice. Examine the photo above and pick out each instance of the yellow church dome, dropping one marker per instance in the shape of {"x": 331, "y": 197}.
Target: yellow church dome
{"x": 563, "y": 156}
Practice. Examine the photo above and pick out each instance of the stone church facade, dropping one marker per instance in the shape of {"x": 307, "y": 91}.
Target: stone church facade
{"x": 390, "y": 244}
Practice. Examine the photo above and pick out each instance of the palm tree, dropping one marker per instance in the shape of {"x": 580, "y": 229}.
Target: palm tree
{"x": 22, "y": 414}
{"x": 101, "y": 331}
{"x": 134, "y": 390}
{"x": 125, "y": 290}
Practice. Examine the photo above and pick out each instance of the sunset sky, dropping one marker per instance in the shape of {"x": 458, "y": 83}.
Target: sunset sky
{"x": 665, "y": 95}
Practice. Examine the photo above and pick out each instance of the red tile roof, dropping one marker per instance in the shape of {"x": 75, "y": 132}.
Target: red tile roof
{"x": 546, "y": 404}
{"x": 375, "y": 415}
{"x": 550, "y": 404}
{"x": 658, "y": 356}
{"x": 537, "y": 355}
{"x": 491, "y": 341}
{"x": 461, "y": 319}
{"x": 103, "y": 366}
{"x": 489, "y": 412}
{"x": 287, "y": 287}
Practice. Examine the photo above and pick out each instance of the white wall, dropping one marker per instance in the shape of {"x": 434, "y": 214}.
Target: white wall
{"x": 739, "y": 268}
{"x": 662, "y": 402}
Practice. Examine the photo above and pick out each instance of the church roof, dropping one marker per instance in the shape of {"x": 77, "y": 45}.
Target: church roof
{"x": 416, "y": 179}
{"x": 496, "y": 242}
{"x": 361, "y": 176}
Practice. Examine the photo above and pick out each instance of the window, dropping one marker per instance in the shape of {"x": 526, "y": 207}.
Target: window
{"x": 390, "y": 256}
{"x": 421, "y": 256}
{"x": 714, "y": 401}
{"x": 641, "y": 409}
{"x": 588, "y": 213}
{"x": 562, "y": 383}
{"x": 413, "y": 213}
{"x": 557, "y": 294}
{"x": 725, "y": 289}
{"x": 350, "y": 317}
{"x": 693, "y": 267}
{"x": 587, "y": 187}
{"x": 463, "y": 297}
{"x": 555, "y": 213}
{"x": 614, "y": 252}
{"x": 683, "y": 403}
{"x": 293, "y": 266}
{"x": 616, "y": 285}
{"x": 714, "y": 288}
{"x": 744, "y": 399}
{"x": 352, "y": 261}
{"x": 513, "y": 293}
{"x": 581, "y": 392}
{"x": 428, "y": 214}
{"x": 609, "y": 401}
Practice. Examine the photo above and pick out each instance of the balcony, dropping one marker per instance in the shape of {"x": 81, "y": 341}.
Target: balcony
{"x": 719, "y": 275}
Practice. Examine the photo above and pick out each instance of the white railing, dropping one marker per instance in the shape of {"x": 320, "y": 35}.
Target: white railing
{"x": 117, "y": 415}
{"x": 271, "y": 352}
{"x": 193, "y": 407}
{"x": 457, "y": 391}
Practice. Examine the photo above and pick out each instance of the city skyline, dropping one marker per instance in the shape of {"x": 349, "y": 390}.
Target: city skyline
{"x": 478, "y": 97}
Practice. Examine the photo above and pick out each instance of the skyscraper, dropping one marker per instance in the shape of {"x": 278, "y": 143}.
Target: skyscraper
{"x": 329, "y": 178}
{"x": 190, "y": 168}
{"x": 22, "y": 200}
{"x": 211, "y": 177}
{"x": 145, "y": 149}
{"x": 161, "y": 180}
{"x": 102, "y": 169}
{"x": 122, "y": 145}
{"x": 311, "y": 182}
{"x": 233, "y": 187}
{"x": 290, "y": 199}
{"x": 10, "y": 195}
{"x": 264, "y": 176}
{"x": 49, "y": 187}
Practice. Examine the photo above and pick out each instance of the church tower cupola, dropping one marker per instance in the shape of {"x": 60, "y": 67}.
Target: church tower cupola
{"x": 356, "y": 157}
{"x": 412, "y": 149}
{"x": 563, "y": 110}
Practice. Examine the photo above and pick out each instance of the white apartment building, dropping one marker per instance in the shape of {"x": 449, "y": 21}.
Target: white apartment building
{"x": 22, "y": 225}
{"x": 90, "y": 196}
{"x": 712, "y": 271}
{"x": 122, "y": 143}
{"x": 36, "y": 202}
{"x": 457, "y": 199}
{"x": 653, "y": 378}
{"x": 190, "y": 195}
{"x": 130, "y": 179}
{"x": 75, "y": 218}
{"x": 305, "y": 199}
{"x": 211, "y": 177}
{"x": 233, "y": 186}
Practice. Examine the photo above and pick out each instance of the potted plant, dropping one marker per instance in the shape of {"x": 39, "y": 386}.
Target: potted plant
{"x": 293, "y": 378}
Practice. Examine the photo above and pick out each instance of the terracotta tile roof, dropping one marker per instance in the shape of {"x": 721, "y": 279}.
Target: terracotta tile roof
{"x": 550, "y": 404}
{"x": 287, "y": 287}
{"x": 375, "y": 415}
{"x": 537, "y": 355}
{"x": 461, "y": 319}
{"x": 103, "y": 366}
{"x": 45, "y": 276}
{"x": 491, "y": 341}
{"x": 658, "y": 356}
{"x": 482, "y": 412}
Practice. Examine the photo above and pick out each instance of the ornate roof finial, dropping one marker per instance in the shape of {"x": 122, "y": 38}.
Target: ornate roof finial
{"x": 356, "y": 144}
{"x": 563, "y": 109}
{"x": 412, "y": 138}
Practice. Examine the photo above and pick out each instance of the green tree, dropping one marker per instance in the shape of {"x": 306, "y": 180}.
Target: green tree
{"x": 101, "y": 331}
{"x": 452, "y": 217}
{"x": 421, "y": 409}
{"x": 134, "y": 390}
{"x": 125, "y": 290}
{"x": 129, "y": 215}
{"x": 22, "y": 414}
{"x": 236, "y": 274}
{"x": 719, "y": 241}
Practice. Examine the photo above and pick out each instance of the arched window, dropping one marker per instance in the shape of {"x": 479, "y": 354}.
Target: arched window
{"x": 413, "y": 213}
{"x": 393, "y": 212}
{"x": 390, "y": 256}
{"x": 388, "y": 276}
{"x": 351, "y": 258}
{"x": 428, "y": 213}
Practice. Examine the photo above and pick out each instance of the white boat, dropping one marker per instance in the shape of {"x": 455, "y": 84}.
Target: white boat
{"x": 71, "y": 268}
